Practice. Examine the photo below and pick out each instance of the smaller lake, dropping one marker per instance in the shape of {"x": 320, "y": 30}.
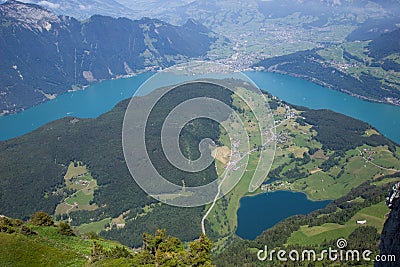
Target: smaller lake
{"x": 260, "y": 212}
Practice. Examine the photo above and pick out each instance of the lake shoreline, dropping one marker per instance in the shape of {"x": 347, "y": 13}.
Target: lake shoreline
{"x": 329, "y": 86}
{"x": 7, "y": 112}
{"x": 288, "y": 191}
{"x": 101, "y": 97}
{"x": 261, "y": 212}
{"x": 74, "y": 88}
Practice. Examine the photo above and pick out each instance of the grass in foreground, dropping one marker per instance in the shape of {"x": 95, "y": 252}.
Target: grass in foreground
{"x": 44, "y": 244}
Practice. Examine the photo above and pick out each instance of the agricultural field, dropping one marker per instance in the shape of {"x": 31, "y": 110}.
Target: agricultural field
{"x": 223, "y": 217}
{"x": 274, "y": 37}
{"x": 119, "y": 222}
{"x": 353, "y": 58}
{"x": 95, "y": 227}
{"x": 374, "y": 216}
{"x": 352, "y": 170}
{"x": 79, "y": 189}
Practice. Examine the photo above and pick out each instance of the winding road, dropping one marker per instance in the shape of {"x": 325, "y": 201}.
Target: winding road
{"x": 230, "y": 167}
{"x": 376, "y": 165}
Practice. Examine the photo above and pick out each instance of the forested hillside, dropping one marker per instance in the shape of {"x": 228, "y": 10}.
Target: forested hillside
{"x": 369, "y": 69}
{"x": 75, "y": 168}
{"x": 34, "y": 166}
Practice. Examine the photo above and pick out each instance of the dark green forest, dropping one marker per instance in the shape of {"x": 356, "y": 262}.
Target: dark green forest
{"x": 34, "y": 165}
{"x": 340, "y": 133}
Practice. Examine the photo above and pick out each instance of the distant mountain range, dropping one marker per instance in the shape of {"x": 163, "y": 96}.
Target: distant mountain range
{"x": 43, "y": 54}
{"x": 175, "y": 10}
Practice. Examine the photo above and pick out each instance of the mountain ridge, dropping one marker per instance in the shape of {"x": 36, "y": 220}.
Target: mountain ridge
{"x": 44, "y": 55}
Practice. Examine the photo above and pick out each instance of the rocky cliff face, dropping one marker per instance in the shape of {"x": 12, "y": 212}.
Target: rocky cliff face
{"x": 43, "y": 55}
{"x": 390, "y": 239}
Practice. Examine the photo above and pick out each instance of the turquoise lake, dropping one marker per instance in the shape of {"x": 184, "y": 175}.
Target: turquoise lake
{"x": 100, "y": 98}
{"x": 89, "y": 103}
{"x": 263, "y": 211}
{"x": 384, "y": 117}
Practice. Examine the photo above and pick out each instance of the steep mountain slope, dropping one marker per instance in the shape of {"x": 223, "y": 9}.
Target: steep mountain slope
{"x": 385, "y": 45}
{"x": 44, "y": 55}
{"x": 368, "y": 69}
{"x": 390, "y": 239}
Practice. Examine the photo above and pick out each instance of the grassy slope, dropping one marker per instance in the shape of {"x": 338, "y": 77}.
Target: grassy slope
{"x": 48, "y": 248}
{"x": 322, "y": 185}
{"x": 358, "y": 67}
{"x": 18, "y": 250}
{"x": 96, "y": 227}
{"x": 375, "y": 216}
